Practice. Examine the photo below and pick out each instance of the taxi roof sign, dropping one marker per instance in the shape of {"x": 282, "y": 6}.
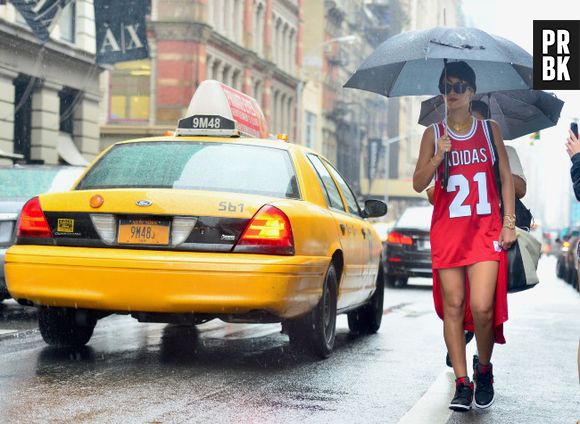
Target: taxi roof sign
{"x": 218, "y": 110}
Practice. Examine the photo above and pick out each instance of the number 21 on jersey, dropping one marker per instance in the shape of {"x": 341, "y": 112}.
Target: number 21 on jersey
{"x": 460, "y": 184}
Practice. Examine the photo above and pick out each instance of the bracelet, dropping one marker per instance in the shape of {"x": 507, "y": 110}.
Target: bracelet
{"x": 509, "y": 221}
{"x": 509, "y": 225}
{"x": 433, "y": 163}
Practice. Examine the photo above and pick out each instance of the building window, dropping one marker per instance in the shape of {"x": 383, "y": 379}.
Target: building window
{"x": 68, "y": 98}
{"x": 130, "y": 91}
{"x": 67, "y": 23}
{"x": 23, "y": 88}
{"x": 309, "y": 129}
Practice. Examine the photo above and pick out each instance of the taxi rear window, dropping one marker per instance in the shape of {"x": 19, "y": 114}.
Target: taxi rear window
{"x": 197, "y": 166}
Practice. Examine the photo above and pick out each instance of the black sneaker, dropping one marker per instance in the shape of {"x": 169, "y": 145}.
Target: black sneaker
{"x": 484, "y": 393}
{"x": 468, "y": 338}
{"x": 475, "y": 361}
{"x": 463, "y": 395}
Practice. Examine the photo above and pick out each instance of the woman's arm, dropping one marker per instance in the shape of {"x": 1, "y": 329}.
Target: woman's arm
{"x": 427, "y": 162}
{"x": 520, "y": 186}
{"x": 507, "y": 236}
{"x": 573, "y": 148}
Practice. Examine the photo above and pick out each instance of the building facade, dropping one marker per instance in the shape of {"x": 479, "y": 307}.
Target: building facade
{"x": 343, "y": 124}
{"x": 49, "y": 106}
{"x": 251, "y": 45}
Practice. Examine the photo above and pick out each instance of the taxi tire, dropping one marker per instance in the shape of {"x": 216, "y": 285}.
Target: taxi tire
{"x": 367, "y": 319}
{"x": 62, "y": 327}
{"x": 316, "y": 331}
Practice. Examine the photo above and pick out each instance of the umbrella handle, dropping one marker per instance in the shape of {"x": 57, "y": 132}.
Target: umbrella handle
{"x": 445, "y": 178}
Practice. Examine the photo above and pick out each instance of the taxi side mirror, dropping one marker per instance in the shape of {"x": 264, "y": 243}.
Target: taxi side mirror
{"x": 374, "y": 208}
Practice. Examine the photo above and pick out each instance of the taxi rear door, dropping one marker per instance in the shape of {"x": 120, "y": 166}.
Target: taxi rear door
{"x": 350, "y": 234}
{"x": 363, "y": 236}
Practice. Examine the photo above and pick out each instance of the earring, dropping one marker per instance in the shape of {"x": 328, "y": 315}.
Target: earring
{"x": 470, "y": 106}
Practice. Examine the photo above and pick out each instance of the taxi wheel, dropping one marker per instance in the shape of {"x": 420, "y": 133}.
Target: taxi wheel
{"x": 367, "y": 319}
{"x": 65, "y": 327}
{"x": 316, "y": 330}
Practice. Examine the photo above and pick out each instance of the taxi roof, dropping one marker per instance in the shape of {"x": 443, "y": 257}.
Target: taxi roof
{"x": 219, "y": 110}
{"x": 265, "y": 142}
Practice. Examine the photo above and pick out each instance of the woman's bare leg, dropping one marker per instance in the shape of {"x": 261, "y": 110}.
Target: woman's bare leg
{"x": 453, "y": 292}
{"x": 482, "y": 282}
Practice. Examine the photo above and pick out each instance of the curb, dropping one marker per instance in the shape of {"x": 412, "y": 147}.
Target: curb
{"x": 19, "y": 333}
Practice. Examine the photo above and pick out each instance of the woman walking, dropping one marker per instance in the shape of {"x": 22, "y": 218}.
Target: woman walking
{"x": 468, "y": 234}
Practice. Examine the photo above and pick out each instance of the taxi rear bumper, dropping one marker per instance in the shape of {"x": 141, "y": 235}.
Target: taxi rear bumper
{"x": 127, "y": 281}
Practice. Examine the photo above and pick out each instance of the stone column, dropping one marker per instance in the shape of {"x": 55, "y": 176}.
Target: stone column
{"x": 45, "y": 123}
{"x": 248, "y": 28}
{"x": 299, "y": 42}
{"x": 267, "y": 101}
{"x": 86, "y": 126}
{"x": 247, "y": 83}
{"x": 7, "y": 112}
{"x": 268, "y": 52}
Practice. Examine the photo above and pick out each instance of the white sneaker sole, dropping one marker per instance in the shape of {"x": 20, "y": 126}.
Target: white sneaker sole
{"x": 484, "y": 406}
{"x": 459, "y": 407}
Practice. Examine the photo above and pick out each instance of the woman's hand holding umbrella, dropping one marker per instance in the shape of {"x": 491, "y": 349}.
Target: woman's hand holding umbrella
{"x": 443, "y": 146}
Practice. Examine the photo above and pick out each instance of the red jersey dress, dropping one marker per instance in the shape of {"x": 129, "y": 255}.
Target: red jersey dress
{"x": 467, "y": 221}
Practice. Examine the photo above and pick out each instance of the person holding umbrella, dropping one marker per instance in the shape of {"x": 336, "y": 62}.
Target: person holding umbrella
{"x": 468, "y": 234}
{"x": 480, "y": 110}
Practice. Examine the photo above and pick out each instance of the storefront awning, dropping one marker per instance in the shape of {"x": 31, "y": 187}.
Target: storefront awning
{"x": 68, "y": 151}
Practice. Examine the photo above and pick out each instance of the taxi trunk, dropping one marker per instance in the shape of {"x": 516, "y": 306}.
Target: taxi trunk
{"x": 162, "y": 251}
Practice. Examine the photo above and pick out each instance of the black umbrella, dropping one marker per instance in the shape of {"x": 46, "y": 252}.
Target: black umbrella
{"x": 410, "y": 64}
{"x": 518, "y": 112}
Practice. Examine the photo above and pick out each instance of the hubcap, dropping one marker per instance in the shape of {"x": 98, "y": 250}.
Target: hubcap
{"x": 328, "y": 318}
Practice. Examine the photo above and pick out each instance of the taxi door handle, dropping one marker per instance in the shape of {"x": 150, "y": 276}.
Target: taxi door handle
{"x": 343, "y": 229}
{"x": 364, "y": 233}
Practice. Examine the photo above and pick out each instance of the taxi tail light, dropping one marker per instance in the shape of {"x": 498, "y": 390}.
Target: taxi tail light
{"x": 269, "y": 232}
{"x": 106, "y": 226}
{"x": 398, "y": 238}
{"x": 181, "y": 229}
{"x": 32, "y": 222}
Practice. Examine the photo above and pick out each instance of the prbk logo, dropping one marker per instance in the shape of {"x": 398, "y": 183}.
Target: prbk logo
{"x": 557, "y": 55}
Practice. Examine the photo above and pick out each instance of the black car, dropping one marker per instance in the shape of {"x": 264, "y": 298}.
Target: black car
{"x": 407, "y": 250}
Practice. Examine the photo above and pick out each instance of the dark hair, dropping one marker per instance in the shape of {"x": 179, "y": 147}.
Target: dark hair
{"x": 459, "y": 70}
{"x": 481, "y": 107}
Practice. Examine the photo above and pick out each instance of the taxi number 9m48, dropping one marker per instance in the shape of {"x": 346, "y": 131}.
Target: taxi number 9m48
{"x": 143, "y": 232}
{"x": 203, "y": 122}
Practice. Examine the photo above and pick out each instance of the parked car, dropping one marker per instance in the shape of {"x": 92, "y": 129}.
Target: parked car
{"x": 407, "y": 250}
{"x": 565, "y": 251}
{"x": 204, "y": 224}
{"x": 549, "y": 237}
{"x": 19, "y": 183}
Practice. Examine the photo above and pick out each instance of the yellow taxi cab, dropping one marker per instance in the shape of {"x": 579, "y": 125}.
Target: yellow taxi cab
{"x": 216, "y": 221}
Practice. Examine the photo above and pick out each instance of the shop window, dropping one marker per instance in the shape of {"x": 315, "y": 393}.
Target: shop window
{"x": 130, "y": 91}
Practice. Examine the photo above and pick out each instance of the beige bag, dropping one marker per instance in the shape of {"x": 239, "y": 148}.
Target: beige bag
{"x": 523, "y": 259}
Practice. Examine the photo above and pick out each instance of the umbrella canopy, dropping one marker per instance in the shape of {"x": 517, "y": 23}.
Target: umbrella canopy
{"x": 518, "y": 112}
{"x": 410, "y": 63}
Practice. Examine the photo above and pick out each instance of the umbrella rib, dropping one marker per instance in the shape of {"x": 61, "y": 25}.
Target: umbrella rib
{"x": 461, "y": 47}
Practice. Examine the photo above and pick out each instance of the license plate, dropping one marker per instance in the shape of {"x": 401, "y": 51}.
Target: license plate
{"x": 424, "y": 245}
{"x": 143, "y": 232}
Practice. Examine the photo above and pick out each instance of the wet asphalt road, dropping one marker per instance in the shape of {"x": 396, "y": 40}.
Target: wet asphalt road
{"x": 154, "y": 373}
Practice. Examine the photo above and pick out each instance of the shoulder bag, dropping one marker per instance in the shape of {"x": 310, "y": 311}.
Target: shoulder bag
{"x": 525, "y": 253}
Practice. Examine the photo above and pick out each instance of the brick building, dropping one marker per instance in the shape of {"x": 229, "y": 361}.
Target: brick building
{"x": 251, "y": 45}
